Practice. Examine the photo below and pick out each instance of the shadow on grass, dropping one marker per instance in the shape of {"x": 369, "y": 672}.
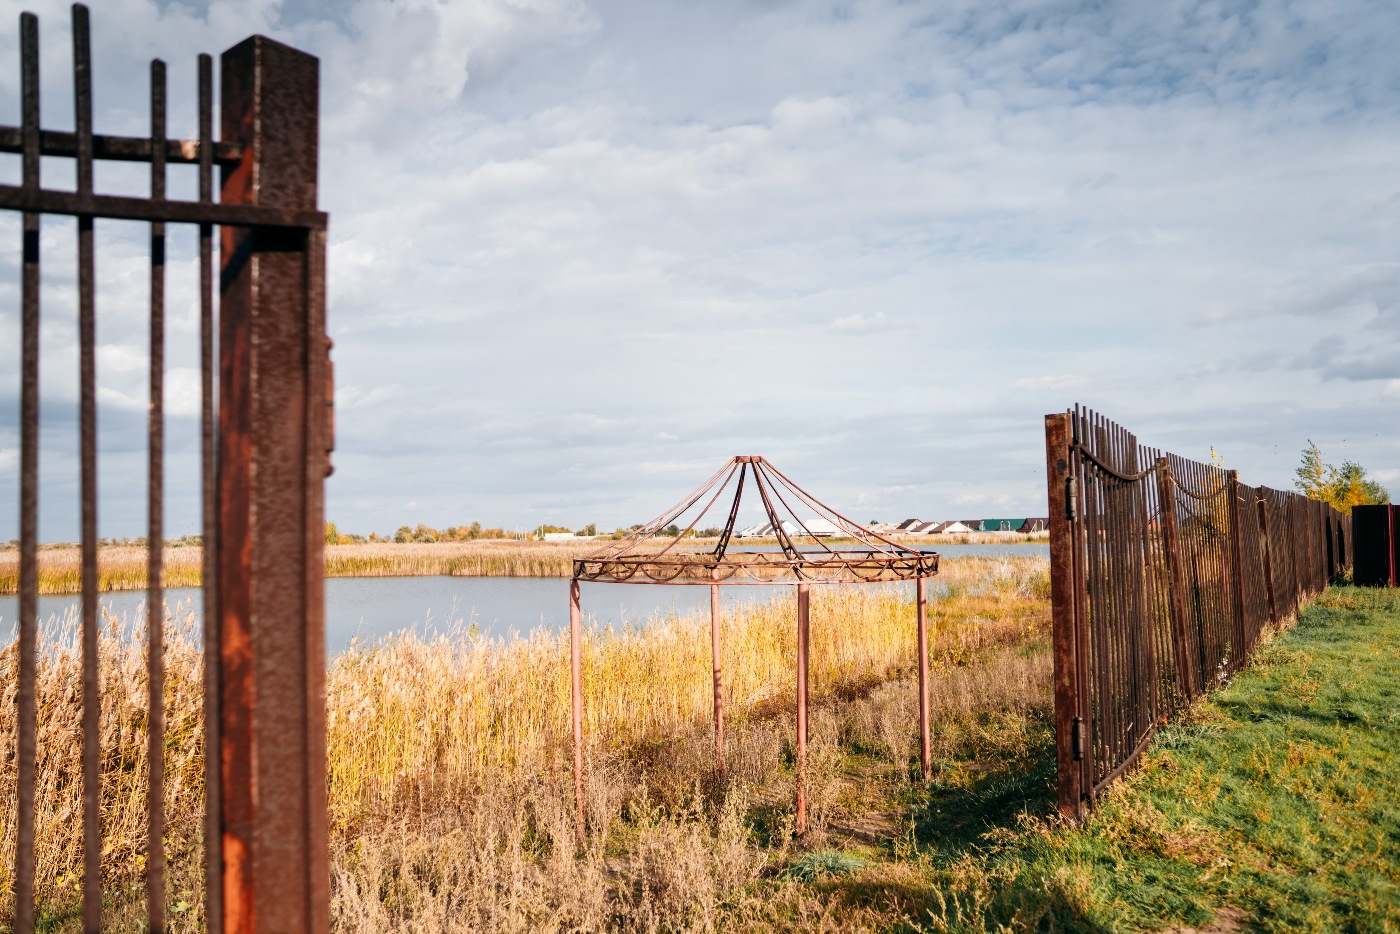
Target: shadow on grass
{"x": 954, "y": 813}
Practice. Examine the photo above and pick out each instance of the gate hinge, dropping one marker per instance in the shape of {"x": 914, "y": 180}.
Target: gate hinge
{"x": 1071, "y": 500}
{"x": 1076, "y": 739}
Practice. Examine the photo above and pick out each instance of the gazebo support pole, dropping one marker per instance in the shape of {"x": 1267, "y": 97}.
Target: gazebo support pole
{"x": 921, "y": 591}
{"x": 576, "y": 673}
{"x": 719, "y": 683}
{"x": 803, "y": 625}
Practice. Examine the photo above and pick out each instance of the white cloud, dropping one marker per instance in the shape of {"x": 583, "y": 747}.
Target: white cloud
{"x": 1063, "y": 381}
{"x": 861, "y": 324}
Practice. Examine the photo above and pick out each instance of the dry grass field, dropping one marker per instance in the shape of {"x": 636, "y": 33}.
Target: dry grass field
{"x": 449, "y": 767}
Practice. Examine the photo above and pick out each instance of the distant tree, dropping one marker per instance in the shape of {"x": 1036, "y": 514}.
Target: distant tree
{"x": 1341, "y": 487}
{"x": 404, "y": 534}
{"x": 332, "y": 536}
{"x": 1312, "y": 473}
{"x": 589, "y": 529}
{"x": 672, "y": 530}
{"x": 711, "y": 533}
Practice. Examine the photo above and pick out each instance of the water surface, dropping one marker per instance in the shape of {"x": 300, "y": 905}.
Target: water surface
{"x": 500, "y": 607}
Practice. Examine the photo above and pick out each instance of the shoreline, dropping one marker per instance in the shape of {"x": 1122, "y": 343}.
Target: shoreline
{"x": 122, "y": 568}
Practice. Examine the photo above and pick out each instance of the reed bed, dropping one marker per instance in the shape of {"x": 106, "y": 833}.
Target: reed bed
{"x": 119, "y": 567}
{"x": 123, "y": 567}
{"x": 448, "y": 756}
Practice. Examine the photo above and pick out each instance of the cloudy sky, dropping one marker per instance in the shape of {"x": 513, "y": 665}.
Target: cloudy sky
{"x": 582, "y": 252}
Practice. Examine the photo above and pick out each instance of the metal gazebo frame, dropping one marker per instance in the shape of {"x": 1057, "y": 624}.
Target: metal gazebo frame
{"x": 632, "y": 560}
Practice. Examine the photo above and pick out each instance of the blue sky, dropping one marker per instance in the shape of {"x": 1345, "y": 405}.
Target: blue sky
{"x": 583, "y": 252}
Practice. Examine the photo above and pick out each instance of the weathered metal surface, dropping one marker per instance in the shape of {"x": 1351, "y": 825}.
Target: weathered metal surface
{"x": 576, "y": 712}
{"x": 804, "y": 627}
{"x": 921, "y": 621}
{"x": 87, "y": 408}
{"x": 1161, "y": 581}
{"x": 155, "y": 532}
{"x": 29, "y": 489}
{"x": 1374, "y": 541}
{"x": 718, "y": 681}
{"x": 271, "y": 466}
{"x": 213, "y": 771}
{"x": 120, "y": 148}
{"x": 265, "y": 644}
{"x": 1060, "y": 482}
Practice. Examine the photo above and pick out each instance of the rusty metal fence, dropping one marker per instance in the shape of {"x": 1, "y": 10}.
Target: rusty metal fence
{"x": 1164, "y": 573}
{"x": 266, "y": 438}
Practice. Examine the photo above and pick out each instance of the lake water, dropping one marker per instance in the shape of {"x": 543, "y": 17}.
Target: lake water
{"x": 372, "y": 607}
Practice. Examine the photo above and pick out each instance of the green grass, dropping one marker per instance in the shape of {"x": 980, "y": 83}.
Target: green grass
{"x": 1275, "y": 803}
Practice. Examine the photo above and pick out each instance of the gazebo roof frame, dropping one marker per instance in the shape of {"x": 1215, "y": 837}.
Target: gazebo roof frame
{"x": 873, "y": 559}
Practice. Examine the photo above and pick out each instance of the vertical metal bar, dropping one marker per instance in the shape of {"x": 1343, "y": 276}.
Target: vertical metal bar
{"x": 319, "y": 428}
{"x": 1080, "y": 531}
{"x": 28, "y": 485}
{"x": 1236, "y": 576}
{"x": 155, "y": 534}
{"x": 1177, "y": 586}
{"x": 576, "y": 685}
{"x": 803, "y": 626}
{"x": 1063, "y": 514}
{"x": 718, "y": 684}
{"x": 1151, "y": 599}
{"x": 92, "y": 699}
{"x": 213, "y": 833}
{"x": 921, "y": 608}
{"x": 271, "y": 462}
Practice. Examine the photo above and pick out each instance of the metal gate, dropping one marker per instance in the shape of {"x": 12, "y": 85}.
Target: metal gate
{"x": 266, "y": 440}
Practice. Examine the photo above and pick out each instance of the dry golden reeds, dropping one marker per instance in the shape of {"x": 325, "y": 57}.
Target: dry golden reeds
{"x": 448, "y": 759}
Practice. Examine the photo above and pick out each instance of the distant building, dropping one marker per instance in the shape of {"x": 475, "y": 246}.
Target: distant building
{"x": 1036, "y": 525}
{"x": 820, "y": 528}
{"x": 948, "y": 528}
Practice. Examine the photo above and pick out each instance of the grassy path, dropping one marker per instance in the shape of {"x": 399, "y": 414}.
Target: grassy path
{"x": 1275, "y": 806}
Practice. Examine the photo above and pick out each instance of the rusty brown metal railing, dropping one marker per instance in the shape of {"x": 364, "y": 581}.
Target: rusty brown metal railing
{"x": 265, "y": 455}
{"x": 1164, "y": 572}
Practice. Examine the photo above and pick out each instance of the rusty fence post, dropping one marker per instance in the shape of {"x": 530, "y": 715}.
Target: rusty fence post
{"x": 576, "y": 713}
{"x": 921, "y": 609}
{"x": 1262, "y": 504}
{"x": 718, "y": 674}
{"x": 1232, "y": 494}
{"x": 272, "y": 462}
{"x": 1182, "y": 644}
{"x": 1071, "y": 730}
{"x": 803, "y": 630}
